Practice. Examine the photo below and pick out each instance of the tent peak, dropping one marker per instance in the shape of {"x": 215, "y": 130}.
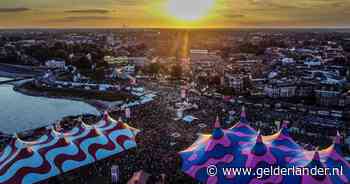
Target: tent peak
{"x": 105, "y": 116}
{"x": 285, "y": 124}
{"x": 284, "y": 128}
{"x": 217, "y": 123}
{"x": 217, "y": 132}
{"x": 243, "y": 117}
{"x": 337, "y": 143}
{"x": 337, "y": 138}
{"x": 259, "y": 139}
{"x": 120, "y": 119}
{"x": 259, "y": 147}
{"x": 316, "y": 156}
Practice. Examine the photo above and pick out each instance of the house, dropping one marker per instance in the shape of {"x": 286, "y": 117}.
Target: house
{"x": 138, "y": 61}
{"x": 288, "y": 61}
{"x": 55, "y": 63}
{"x": 313, "y": 62}
{"x": 124, "y": 60}
{"x": 116, "y": 61}
{"x": 236, "y": 82}
{"x": 327, "y": 95}
{"x": 204, "y": 57}
{"x": 280, "y": 89}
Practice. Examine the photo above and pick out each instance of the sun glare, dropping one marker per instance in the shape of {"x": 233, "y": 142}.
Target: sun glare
{"x": 189, "y": 10}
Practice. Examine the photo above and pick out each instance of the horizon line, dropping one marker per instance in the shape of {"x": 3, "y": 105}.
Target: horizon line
{"x": 155, "y": 27}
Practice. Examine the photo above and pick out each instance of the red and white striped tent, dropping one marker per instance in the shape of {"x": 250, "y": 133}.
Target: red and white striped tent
{"x": 57, "y": 152}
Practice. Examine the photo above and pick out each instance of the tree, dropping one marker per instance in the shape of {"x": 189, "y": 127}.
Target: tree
{"x": 176, "y": 71}
{"x": 215, "y": 80}
{"x": 164, "y": 70}
{"x": 227, "y": 91}
{"x": 249, "y": 48}
{"x": 82, "y": 63}
{"x": 154, "y": 68}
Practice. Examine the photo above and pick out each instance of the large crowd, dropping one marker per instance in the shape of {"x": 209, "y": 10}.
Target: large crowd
{"x": 157, "y": 150}
{"x": 157, "y": 147}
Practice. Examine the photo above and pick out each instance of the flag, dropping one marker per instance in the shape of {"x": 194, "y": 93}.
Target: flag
{"x": 115, "y": 174}
{"x": 179, "y": 113}
{"x": 127, "y": 113}
{"x": 139, "y": 177}
{"x": 217, "y": 122}
{"x": 183, "y": 93}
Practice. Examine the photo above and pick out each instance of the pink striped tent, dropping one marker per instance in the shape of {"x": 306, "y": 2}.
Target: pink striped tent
{"x": 243, "y": 147}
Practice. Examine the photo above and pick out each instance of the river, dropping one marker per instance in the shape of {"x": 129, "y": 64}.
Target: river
{"x": 19, "y": 112}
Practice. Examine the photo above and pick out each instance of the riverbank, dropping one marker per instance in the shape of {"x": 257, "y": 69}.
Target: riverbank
{"x": 19, "y": 86}
{"x": 14, "y": 71}
{"x": 98, "y": 101}
{"x": 27, "y": 87}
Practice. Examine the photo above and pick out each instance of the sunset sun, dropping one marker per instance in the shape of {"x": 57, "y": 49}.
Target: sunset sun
{"x": 189, "y": 10}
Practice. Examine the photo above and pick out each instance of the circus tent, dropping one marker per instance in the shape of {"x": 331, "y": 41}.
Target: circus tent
{"x": 243, "y": 147}
{"x": 57, "y": 152}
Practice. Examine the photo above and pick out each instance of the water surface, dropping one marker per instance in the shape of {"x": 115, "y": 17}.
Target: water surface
{"x": 19, "y": 112}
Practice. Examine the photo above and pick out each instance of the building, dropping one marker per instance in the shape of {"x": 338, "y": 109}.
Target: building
{"x": 305, "y": 89}
{"x": 197, "y": 54}
{"x": 324, "y": 77}
{"x": 258, "y": 85}
{"x": 249, "y": 65}
{"x": 288, "y": 61}
{"x": 280, "y": 89}
{"x": 313, "y": 62}
{"x": 138, "y": 61}
{"x": 327, "y": 95}
{"x": 116, "y": 61}
{"x": 129, "y": 69}
{"x": 344, "y": 99}
{"x": 55, "y": 63}
{"x": 236, "y": 82}
{"x": 124, "y": 60}
{"x": 204, "y": 56}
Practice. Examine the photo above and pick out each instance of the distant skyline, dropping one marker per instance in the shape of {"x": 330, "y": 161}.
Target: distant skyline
{"x": 157, "y": 14}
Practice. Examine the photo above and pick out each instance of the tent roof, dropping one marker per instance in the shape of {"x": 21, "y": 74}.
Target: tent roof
{"x": 56, "y": 152}
{"x": 243, "y": 147}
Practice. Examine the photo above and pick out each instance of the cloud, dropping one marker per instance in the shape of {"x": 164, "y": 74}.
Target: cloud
{"x": 297, "y": 5}
{"x": 130, "y": 2}
{"x": 232, "y": 15}
{"x": 88, "y": 11}
{"x": 270, "y": 5}
{"x": 152, "y": 13}
{"x": 13, "y": 10}
{"x": 80, "y": 18}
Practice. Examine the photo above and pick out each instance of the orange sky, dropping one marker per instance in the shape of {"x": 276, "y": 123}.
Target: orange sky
{"x": 154, "y": 13}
